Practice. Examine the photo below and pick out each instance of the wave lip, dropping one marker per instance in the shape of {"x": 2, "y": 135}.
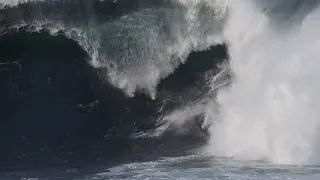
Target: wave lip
{"x": 136, "y": 50}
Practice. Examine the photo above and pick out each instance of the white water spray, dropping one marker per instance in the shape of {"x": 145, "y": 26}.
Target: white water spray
{"x": 272, "y": 109}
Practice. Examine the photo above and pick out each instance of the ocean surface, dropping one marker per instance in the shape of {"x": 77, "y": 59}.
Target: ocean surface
{"x": 159, "y": 89}
{"x": 190, "y": 167}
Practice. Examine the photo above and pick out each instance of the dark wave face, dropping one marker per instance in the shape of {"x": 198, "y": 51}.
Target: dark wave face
{"x": 56, "y": 109}
{"x": 79, "y": 78}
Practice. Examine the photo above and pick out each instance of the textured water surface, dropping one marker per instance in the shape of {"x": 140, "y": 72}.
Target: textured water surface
{"x": 184, "y": 168}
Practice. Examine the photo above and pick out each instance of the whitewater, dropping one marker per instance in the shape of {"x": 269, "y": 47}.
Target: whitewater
{"x": 262, "y": 110}
{"x": 271, "y": 111}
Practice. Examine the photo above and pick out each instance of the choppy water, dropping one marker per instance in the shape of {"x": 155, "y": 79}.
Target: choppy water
{"x": 193, "y": 167}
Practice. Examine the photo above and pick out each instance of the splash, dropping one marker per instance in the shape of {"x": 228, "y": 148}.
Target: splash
{"x": 271, "y": 110}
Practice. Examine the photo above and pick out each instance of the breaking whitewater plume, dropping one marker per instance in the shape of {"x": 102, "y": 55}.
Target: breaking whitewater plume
{"x": 270, "y": 111}
{"x": 85, "y": 81}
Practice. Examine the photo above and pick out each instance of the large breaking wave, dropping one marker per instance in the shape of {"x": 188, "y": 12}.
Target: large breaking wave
{"x": 60, "y": 104}
{"x": 260, "y": 104}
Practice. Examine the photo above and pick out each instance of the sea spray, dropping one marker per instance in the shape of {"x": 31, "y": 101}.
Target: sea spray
{"x": 271, "y": 110}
